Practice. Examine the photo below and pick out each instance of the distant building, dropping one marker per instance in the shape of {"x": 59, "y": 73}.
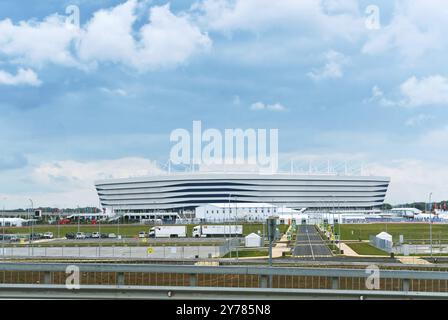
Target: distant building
{"x": 253, "y": 240}
{"x": 182, "y": 192}
{"x": 406, "y": 212}
{"x": 13, "y": 222}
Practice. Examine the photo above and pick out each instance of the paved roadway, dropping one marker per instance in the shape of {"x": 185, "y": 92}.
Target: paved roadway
{"x": 309, "y": 243}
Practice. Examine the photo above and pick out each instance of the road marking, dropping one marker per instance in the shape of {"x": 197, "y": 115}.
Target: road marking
{"x": 309, "y": 240}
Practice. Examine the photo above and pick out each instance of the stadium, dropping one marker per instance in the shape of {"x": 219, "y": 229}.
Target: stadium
{"x": 185, "y": 191}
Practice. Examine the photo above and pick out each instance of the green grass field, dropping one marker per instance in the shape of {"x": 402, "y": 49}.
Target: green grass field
{"x": 410, "y": 231}
{"x": 364, "y": 248}
{"x": 248, "y": 253}
{"x": 126, "y": 230}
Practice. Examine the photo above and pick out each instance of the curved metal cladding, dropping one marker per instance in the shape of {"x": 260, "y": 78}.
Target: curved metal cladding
{"x": 187, "y": 190}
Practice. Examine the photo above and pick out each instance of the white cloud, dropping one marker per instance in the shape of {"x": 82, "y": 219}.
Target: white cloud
{"x": 411, "y": 180}
{"x": 432, "y": 90}
{"x": 73, "y": 173}
{"x": 120, "y": 92}
{"x": 378, "y": 96}
{"x": 417, "y": 27}
{"x": 332, "y": 68}
{"x": 166, "y": 40}
{"x": 23, "y": 77}
{"x": 38, "y": 42}
{"x": 418, "y": 120}
{"x": 169, "y": 40}
{"x": 70, "y": 183}
{"x": 339, "y": 18}
{"x": 108, "y": 35}
{"x": 270, "y": 107}
{"x": 414, "y": 92}
{"x": 434, "y": 139}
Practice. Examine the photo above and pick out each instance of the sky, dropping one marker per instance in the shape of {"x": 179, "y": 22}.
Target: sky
{"x": 96, "y": 95}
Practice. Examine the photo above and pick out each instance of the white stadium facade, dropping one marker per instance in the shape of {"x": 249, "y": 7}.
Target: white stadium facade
{"x": 180, "y": 192}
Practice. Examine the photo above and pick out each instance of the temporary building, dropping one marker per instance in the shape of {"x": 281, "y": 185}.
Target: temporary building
{"x": 253, "y": 240}
{"x": 384, "y": 236}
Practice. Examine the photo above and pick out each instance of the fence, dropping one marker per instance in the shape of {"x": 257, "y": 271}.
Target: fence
{"x": 119, "y": 252}
{"x": 418, "y": 249}
{"x": 382, "y": 244}
{"x": 219, "y": 278}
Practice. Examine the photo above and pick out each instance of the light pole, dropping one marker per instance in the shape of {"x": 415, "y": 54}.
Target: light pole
{"x": 430, "y": 224}
{"x": 59, "y": 223}
{"x": 3, "y": 229}
{"x": 99, "y": 228}
{"x": 118, "y": 220}
{"x": 228, "y": 225}
{"x": 32, "y": 226}
{"x": 236, "y": 219}
{"x": 334, "y": 225}
{"x": 79, "y": 217}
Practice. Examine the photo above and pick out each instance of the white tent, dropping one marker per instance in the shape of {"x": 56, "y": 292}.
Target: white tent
{"x": 253, "y": 240}
{"x": 385, "y": 236}
{"x": 12, "y": 222}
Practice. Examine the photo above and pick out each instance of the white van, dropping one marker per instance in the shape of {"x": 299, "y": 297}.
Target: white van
{"x": 80, "y": 235}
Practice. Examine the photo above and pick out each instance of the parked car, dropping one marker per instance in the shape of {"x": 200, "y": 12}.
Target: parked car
{"x": 112, "y": 235}
{"x": 48, "y": 235}
{"x": 70, "y": 235}
{"x": 80, "y": 235}
{"x": 88, "y": 235}
{"x": 13, "y": 238}
{"x": 35, "y": 236}
{"x": 142, "y": 234}
{"x": 104, "y": 236}
{"x": 96, "y": 235}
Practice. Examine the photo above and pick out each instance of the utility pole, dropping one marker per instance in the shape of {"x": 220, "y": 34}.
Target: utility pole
{"x": 430, "y": 224}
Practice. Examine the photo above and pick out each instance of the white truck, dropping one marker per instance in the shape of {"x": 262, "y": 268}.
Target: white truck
{"x": 168, "y": 232}
{"x": 217, "y": 230}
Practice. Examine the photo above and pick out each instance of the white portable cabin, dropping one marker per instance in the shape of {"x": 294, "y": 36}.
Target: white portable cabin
{"x": 252, "y": 240}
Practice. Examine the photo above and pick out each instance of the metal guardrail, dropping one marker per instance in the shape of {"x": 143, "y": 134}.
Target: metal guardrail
{"x": 220, "y": 281}
{"x": 164, "y": 292}
{"x": 231, "y": 270}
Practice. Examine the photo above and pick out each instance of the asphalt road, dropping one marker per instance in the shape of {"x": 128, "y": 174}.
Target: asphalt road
{"x": 309, "y": 243}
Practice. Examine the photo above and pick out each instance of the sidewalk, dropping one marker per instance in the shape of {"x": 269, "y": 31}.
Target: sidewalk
{"x": 412, "y": 260}
{"x": 348, "y": 251}
{"x": 281, "y": 246}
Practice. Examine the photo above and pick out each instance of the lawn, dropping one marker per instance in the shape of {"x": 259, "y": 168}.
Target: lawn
{"x": 366, "y": 249}
{"x": 126, "y": 230}
{"x": 410, "y": 231}
{"x": 248, "y": 253}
